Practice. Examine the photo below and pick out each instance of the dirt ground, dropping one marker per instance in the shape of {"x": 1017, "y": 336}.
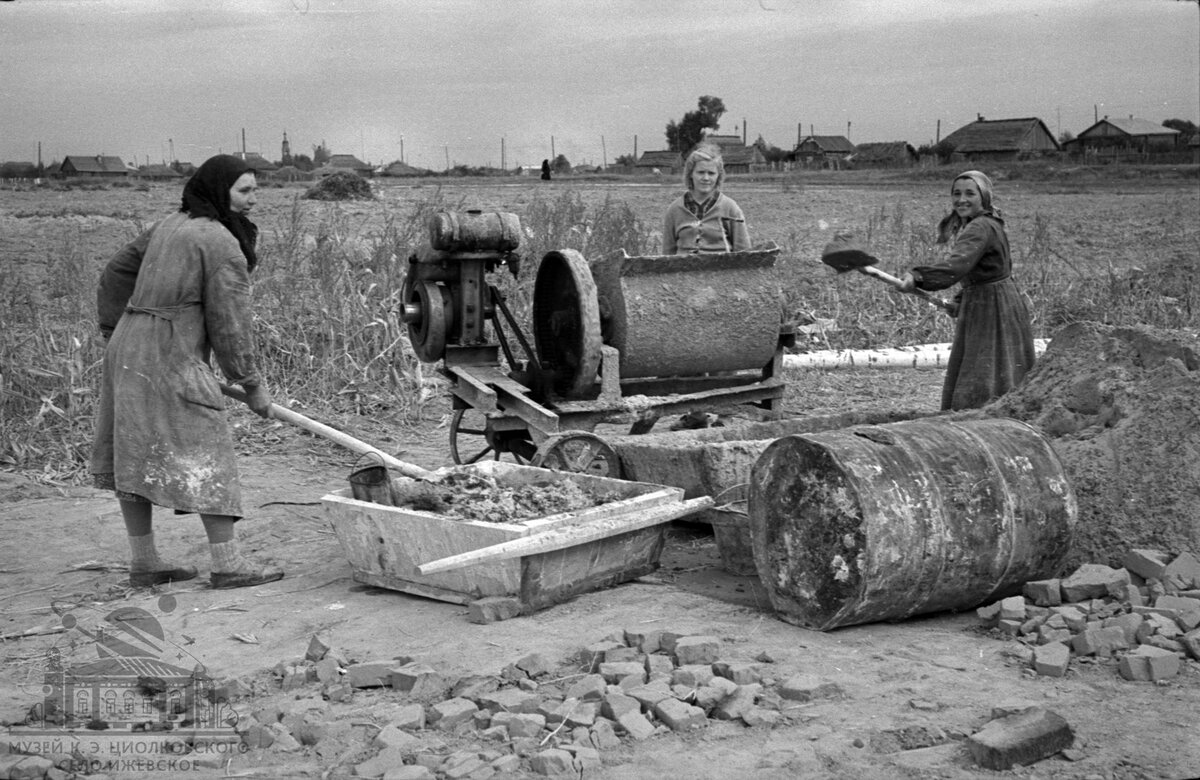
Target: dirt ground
{"x": 911, "y": 691}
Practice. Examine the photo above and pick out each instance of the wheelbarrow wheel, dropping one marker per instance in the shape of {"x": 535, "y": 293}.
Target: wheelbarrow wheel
{"x": 579, "y": 452}
{"x": 469, "y": 442}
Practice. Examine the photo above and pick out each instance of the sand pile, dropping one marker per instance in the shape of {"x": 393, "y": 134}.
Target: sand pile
{"x": 1121, "y": 407}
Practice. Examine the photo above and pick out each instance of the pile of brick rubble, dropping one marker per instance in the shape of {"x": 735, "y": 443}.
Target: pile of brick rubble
{"x": 1144, "y": 617}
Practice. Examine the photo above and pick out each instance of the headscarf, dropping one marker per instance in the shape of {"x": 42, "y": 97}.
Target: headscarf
{"x": 207, "y": 195}
{"x": 952, "y": 223}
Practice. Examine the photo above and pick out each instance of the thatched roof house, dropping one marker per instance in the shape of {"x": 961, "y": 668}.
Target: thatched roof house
{"x": 102, "y": 166}
{"x": 348, "y": 162}
{"x": 256, "y": 161}
{"x": 885, "y": 154}
{"x": 742, "y": 159}
{"x": 1002, "y": 139}
{"x": 663, "y": 161}
{"x": 830, "y": 150}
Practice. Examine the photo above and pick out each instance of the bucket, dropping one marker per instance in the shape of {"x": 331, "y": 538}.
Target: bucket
{"x": 731, "y": 530}
{"x": 884, "y": 522}
{"x": 371, "y": 482}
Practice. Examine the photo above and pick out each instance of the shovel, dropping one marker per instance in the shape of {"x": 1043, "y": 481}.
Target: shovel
{"x": 349, "y": 442}
{"x": 842, "y": 255}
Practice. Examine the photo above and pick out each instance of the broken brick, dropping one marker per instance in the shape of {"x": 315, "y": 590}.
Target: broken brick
{"x": 614, "y": 672}
{"x": 1051, "y": 660}
{"x": 1044, "y": 593}
{"x": 1091, "y": 581}
{"x": 636, "y": 726}
{"x": 807, "y": 687}
{"x": 492, "y": 609}
{"x": 680, "y": 716}
{"x": 740, "y": 673}
{"x": 736, "y": 705}
{"x": 1102, "y": 643}
{"x": 1149, "y": 664}
{"x": 697, "y": 650}
{"x": 645, "y": 641}
{"x": 1024, "y": 738}
{"x": 1147, "y": 564}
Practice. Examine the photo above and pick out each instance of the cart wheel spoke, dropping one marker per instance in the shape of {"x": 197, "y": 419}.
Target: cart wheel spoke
{"x": 579, "y": 452}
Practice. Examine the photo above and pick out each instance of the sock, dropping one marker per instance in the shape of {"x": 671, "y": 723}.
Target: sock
{"x": 145, "y": 554}
{"x": 226, "y": 557}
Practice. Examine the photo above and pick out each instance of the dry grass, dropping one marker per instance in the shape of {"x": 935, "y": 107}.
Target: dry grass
{"x": 328, "y": 291}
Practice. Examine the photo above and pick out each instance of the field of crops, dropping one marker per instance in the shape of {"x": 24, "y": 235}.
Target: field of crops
{"x": 1121, "y": 248}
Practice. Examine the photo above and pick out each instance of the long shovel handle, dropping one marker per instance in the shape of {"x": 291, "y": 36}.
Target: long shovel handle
{"x": 884, "y": 276}
{"x": 324, "y": 431}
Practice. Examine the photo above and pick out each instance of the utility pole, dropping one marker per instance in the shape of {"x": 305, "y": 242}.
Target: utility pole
{"x": 603, "y": 153}
{"x": 939, "y": 133}
{"x": 553, "y": 157}
{"x": 744, "y": 136}
{"x": 847, "y": 129}
{"x": 635, "y": 157}
{"x": 447, "y": 148}
{"x": 401, "y": 148}
{"x": 243, "y": 143}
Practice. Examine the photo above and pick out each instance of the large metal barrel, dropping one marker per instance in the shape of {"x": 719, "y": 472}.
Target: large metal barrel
{"x": 884, "y": 522}
{"x": 687, "y": 315}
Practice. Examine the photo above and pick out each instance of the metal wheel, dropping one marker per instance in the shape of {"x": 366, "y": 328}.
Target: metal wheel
{"x": 469, "y": 439}
{"x": 566, "y": 321}
{"x": 429, "y": 318}
{"x": 579, "y": 452}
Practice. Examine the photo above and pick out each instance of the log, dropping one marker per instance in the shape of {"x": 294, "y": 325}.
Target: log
{"x": 569, "y": 536}
{"x": 917, "y": 356}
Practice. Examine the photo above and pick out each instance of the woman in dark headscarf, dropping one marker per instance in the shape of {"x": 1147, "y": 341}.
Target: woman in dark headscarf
{"x": 993, "y": 337}
{"x": 176, "y": 295}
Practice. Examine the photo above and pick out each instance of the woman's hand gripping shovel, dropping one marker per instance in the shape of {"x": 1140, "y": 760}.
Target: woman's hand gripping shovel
{"x": 349, "y": 442}
{"x": 842, "y": 254}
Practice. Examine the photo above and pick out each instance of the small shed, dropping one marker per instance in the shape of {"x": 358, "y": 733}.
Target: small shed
{"x": 743, "y": 159}
{"x": 98, "y": 166}
{"x": 1117, "y": 135}
{"x": 1002, "y": 139}
{"x": 829, "y": 150}
{"x": 664, "y": 161}
{"x": 885, "y": 154}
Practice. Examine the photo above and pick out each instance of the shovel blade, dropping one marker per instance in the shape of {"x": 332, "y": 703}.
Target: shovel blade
{"x": 844, "y": 254}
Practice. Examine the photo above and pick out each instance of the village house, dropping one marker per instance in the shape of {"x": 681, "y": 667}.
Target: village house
{"x": 99, "y": 166}
{"x": 1118, "y": 136}
{"x": 830, "y": 151}
{"x": 346, "y": 162}
{"x": 996, "y": 140}
{"x": 664, "y": 161}
{"x": 885, "y": 154}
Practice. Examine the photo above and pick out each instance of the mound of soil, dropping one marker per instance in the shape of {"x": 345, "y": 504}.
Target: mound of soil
{"x": 1121, "y": 407}
{"x": 341, "y": 186}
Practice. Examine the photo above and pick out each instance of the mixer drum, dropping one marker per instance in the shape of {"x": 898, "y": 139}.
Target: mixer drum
{"x": 688, "y": 315}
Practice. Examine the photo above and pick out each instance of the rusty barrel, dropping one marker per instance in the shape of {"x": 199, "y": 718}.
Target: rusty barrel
{"x": 887, "y": 521}
{"x": 686, "y": 315}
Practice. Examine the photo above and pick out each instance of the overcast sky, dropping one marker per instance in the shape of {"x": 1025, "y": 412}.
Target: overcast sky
{"x": 451, "y": 78}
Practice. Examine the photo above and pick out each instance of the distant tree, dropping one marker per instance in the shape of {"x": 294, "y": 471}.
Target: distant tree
{"x": 689, "y": 131}
{"x": 302, "y": 162}
{"x": 321, "y": 155}
{"x": 627, "y": 160}
{"x": 771, "y": 153}
{"x": 1187, "y": 128}
{"x": 18, "y": 170}
{"x": 1065, "y": 136}
{"x": 561, "y": 164}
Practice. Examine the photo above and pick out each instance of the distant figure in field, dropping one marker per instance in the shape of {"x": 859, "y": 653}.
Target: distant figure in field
{"x": 174, "y": 296}
{"x": 545, "y": 170}
{"x": 993, "y": 337}
{"x": 704, "y": 219}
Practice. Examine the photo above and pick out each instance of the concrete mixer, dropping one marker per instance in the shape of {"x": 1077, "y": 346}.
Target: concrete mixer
{"x": 620, "y": 340}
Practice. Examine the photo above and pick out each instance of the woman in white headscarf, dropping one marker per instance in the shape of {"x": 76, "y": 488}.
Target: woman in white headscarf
{"x": 993, "y": 337}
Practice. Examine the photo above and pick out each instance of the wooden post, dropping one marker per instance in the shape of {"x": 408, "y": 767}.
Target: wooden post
{"x": 603, "y": 154}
